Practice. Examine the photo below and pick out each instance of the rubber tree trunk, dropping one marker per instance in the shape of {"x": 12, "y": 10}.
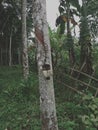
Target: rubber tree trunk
{"x": 1, "y": 56}
{"x": 10, "y": 49}
{"x": 46, "y": 87}
{"x": 6, "y": 55}
{"x": 24, "y": 41}
{"x": 19, "y": 56}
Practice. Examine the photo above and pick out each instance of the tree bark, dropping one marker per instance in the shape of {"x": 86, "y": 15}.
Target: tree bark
{"x": 19, "y": 56}
{"x": 1, "y": 57}
{"x": 47, "y": 98}
{"x": 10, "y": 49}
{"x": 70, "y": 39}
{"x": 24, "y": 41}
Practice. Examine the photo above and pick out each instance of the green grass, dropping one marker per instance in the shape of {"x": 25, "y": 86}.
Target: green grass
{"x": 19, "y": 99}
{"x": 10, "y": 76}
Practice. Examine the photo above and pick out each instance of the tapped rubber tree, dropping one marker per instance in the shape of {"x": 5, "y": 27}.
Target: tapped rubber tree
{"x": 24, "y": 41}
{"x": 46, "y": 87}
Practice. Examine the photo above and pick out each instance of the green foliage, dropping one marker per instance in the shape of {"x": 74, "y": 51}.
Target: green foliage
{"x": 19, "y": 104}
{"x": 81, "y": 113}
{"x": 90, "y": 119}
{"x": 64, "y": 116}
{"x": 95, "y": 58}
{"x": 59, "y": 49}
{"x": 75, "y": 3}
{"x": 74, "y": 111}
{"x": 70, "y": 41}
{"x": 84, "y": 30}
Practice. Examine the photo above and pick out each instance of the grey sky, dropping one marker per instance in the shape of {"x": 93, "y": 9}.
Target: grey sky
{"x": 52, "y": 11}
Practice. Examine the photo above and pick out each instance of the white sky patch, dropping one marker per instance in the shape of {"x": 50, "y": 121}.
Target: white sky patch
{"x": 80, "y": 2}
{"x": 52, "y": 12}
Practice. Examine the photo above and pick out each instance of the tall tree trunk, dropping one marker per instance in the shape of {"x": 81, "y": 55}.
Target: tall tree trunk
{"x": 6, "y": 55}
{"x": 19, "y": 56}
{"x": 24, "y": 41}
{"x": 70, "y": 39}
{"x": 47, "y": 98}
{"x": 85, "y": 42}
{"x": 10, "y": 49}
{"x": 1, "y": 56}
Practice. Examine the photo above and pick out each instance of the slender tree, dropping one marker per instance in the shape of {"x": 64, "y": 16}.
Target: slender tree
{"x": 66, "y": 16}
{"x": 10, "y": 49}
{"x": 47, "y": 98}
{"x": 24, "y": 41}
{"x": 69, "y": 37}
{"x": 85, "y": 42}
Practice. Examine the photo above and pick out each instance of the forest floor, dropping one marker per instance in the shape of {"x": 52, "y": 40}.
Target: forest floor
{"x": 9, "y": 76}
{"x": 19, "y": 103}
{"x": 19, "y": 99}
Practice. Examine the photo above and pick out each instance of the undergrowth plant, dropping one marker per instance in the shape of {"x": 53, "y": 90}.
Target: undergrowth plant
{"x": 19, "y": 101}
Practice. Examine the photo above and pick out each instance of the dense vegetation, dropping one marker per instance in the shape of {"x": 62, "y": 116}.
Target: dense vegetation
{"x": 75, "y": 67}
{"x": 19, "y": 101}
